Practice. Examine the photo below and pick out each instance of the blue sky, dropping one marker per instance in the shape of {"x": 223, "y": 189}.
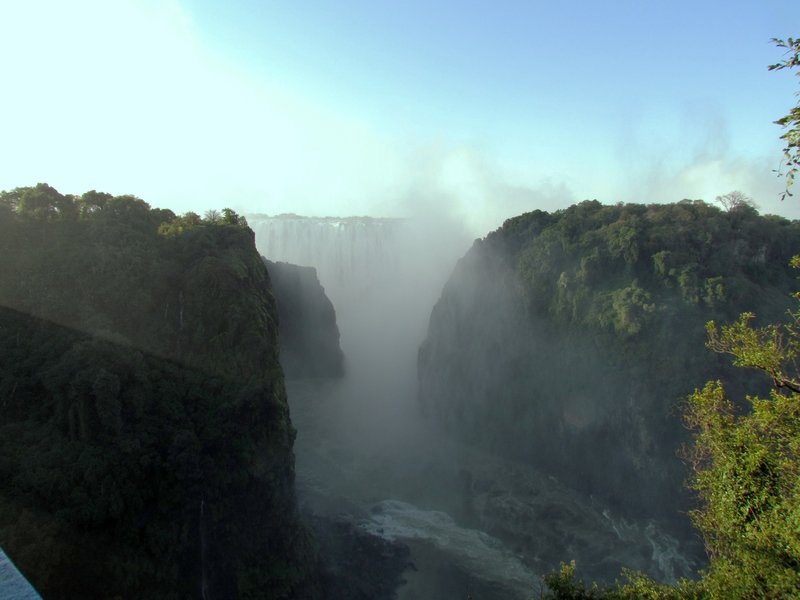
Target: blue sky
{"x": 478, "y": 111}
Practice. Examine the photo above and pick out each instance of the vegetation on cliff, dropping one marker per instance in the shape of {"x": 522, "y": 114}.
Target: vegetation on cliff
{"x": 570, "y": 340}
{"x": 746, "y": 474}
{"x": 745, "y": 455}
{"x": 145, "y": 442}
{"x": 635, "y": 283}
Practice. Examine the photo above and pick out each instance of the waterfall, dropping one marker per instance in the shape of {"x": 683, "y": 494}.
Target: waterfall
{"x": 350, "y": 254}
{"x": 383, "y": 276}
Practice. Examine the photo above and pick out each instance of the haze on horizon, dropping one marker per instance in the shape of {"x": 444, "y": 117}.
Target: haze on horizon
{"x": 471, "y": 112}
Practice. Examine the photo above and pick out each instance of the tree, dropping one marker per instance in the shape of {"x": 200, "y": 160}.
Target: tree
{"x": 41, "y": 202}
{"x": 790, "y": 122}
{"x": 230, "y": 217}
{"x": 735, "y": 200}
{"x": 747, "y": 465}
{"x": 92, "y": 201}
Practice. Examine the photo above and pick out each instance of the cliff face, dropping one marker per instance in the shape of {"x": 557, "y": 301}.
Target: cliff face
{"x": 569, "y": 340}
{"x": 309, "y": 336}
{"x": 145, "y": 432}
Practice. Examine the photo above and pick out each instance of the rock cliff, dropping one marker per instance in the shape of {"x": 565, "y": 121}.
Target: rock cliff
{"x": 309, "y": 335}
{"x": 145, "y": 440}
{"x": 568, "y": 341}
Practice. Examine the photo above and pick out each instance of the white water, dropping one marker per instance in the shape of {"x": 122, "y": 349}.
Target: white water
{"x": 665, "y": 552}
{"x": 400, "y": 484}
{"x": 352, "y": 255}
{"x": 471, "y": 550}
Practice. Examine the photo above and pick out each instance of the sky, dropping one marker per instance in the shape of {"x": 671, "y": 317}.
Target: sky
{"x": 474, "y": 110}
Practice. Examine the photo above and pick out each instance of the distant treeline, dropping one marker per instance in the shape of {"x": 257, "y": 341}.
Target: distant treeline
{"x": 619, "y": 268}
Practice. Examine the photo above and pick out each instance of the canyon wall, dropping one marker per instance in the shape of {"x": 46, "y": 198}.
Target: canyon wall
{"x": 568, "y": 342}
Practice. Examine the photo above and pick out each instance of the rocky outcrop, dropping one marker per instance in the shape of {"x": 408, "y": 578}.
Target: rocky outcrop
{"x": 568, "y": 341}
{"x": 356, "y": 565}
{"x": 309, "y": 336}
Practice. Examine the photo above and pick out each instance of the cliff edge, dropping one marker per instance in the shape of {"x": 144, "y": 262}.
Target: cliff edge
{"x": 308, "y": 333}
{"x": 145, "y": 435}
{"x": 568, "y": 341}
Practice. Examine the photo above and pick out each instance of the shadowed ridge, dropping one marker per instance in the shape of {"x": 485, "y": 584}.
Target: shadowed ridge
{"x": 146, "y": 438}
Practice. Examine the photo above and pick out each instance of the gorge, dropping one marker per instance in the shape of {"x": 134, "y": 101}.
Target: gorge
{"x": 460, "y": 419}
{"x": 551, "y": 376}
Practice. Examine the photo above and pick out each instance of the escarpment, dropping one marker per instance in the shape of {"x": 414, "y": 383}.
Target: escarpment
{"x": 568, "y": 341}
{"x": 145, "y": 441}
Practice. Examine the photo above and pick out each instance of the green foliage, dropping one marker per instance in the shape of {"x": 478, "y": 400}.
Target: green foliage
{"x": 192, "y": 220}
{"x": 791, "y": 121}
{"x": 746, "y": 464}
{"x": 747, "y": 467}
{"x": 630, "y": 310}
{"x": 615, "y": 269}
{"x": 565, "y": 585}
{"x": 771, "y": 349}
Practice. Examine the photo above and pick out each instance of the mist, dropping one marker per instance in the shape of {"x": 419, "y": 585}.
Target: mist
{"x": 363, "y": 447}
{"x": 376, "y": 143}
{"x": 383, "y": 277}
{"x": 368, "y": 451}
{"x": 461, "y": 415}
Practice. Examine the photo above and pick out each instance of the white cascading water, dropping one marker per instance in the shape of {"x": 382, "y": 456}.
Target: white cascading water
{"x": 350, "y": 254}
